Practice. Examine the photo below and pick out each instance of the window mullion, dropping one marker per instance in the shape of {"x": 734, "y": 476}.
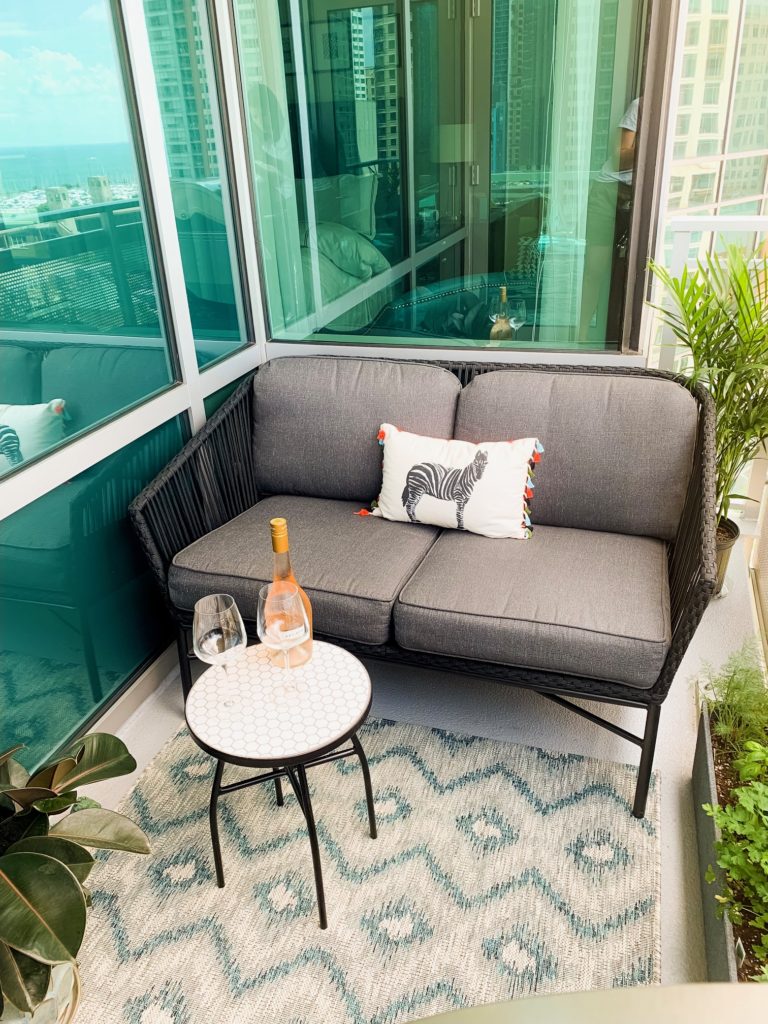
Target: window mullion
{"x": 170, "y": 265}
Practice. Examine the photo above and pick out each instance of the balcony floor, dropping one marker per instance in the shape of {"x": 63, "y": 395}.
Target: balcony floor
{"x": 485, "y": 708}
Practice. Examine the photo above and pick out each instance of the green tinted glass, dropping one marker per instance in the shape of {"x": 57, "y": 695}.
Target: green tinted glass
{"x": 79, "y": 610}
{"x": 73, "y": 247}
{"x": 81, "y": 336}
{"x": 447, "y": 146}
{"x": 180, "y": 43}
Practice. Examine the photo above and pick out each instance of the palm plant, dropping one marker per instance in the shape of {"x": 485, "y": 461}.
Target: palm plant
{"x": 719, "y": 313}
{"x": 44, "y": 866}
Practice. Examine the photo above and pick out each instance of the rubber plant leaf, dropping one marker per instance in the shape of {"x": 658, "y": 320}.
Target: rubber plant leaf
{"x": 103, "y": 830}
{"x": 23, "y": 979}
{"x": 42, "y": 908}
{"x": 55, "y": 804}
{"x": 28, "y": 795}
{"x": 50, "y": 774}
{"x": 83, "y": 803}
{"x": 8, "y": 754}
{"x": 78, "y": 860}
{"x": 28, "y": 823}
{"x": 7, "y": 807}
{"x": 12, "y": 773}
{"x": 98, "y": 756}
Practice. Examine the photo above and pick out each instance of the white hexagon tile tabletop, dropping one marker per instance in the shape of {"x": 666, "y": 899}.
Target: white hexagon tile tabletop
{"x": 256, "y": 711}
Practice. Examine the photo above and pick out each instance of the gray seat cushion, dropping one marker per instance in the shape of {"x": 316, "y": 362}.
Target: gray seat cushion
{"x": 316, "y": 420}
{"x": 566, "y": 601}
{"x": 351, "y": 567}
{"x": 618, "y": 449}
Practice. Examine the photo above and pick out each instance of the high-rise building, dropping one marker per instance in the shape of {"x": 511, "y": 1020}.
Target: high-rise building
{"x": 176, "y": 41}
{"x": 720, "y": 149}
{"x": 386, "y": 76}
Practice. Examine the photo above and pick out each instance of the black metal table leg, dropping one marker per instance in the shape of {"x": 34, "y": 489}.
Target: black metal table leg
{"x": 279, "y": 792}
{"x": 215, "y": 824}
{"x": 367, "y": 781}
{"x": 300, "y": 785}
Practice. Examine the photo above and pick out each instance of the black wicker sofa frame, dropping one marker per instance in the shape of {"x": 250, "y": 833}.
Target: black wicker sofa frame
{"x": 211, "y": 481}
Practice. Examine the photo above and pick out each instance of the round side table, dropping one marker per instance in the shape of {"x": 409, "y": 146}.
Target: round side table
{"x": 286, "y": 720}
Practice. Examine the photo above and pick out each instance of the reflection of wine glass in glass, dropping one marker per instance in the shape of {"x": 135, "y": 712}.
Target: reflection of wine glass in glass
{"x": 218, "y": 633}
{"x": 518, "y": 317}
{"x": 282, "y": 622}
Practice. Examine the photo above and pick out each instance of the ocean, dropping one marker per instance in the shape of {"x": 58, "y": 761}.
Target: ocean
{"x": 37, "y": 167}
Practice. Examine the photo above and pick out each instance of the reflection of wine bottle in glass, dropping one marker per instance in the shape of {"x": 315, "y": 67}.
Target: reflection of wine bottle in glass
{"x": 284, "y": 573}
{"x": 502, "y": 328}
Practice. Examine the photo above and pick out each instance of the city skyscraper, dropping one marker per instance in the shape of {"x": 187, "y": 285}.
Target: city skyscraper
{"x": 176, "y": 41}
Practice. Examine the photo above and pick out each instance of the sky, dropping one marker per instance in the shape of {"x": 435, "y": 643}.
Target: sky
{"x": 59, "y": 74}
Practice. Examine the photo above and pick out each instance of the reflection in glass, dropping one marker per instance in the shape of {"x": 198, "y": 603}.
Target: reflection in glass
{"x": 180, "y": 45}
{"x": 488, "y": 143}
{"x": 75, "y": 272}
{"x": 79, "y": 612}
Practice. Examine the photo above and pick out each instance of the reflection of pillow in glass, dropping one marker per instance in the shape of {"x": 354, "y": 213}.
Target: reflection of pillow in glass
{"x": 348, "y": 199}
{"x": 30, "y": 430}
{"x": 350, "y": 252}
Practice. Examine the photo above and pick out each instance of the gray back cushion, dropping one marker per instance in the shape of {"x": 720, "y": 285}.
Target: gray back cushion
{"x": 618, "y": 449}
{"x": 316, "y": 420}
{"x": 19, "y": 374}
{"x": 97, "y": 381}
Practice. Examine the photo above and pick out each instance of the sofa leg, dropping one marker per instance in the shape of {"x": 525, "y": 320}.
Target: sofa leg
{"x": 185, "y": 666}
{"x": 646, "y": 760}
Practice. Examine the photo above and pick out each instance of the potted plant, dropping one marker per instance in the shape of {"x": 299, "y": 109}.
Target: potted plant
{"x": 45, "y": 828}
{"x": 719, "y": 313}
{"x": 730, "y": 786}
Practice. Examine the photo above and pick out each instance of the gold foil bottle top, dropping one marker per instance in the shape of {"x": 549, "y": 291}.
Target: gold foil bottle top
{"x": 503, "y": 293}
{"x": 279, "y": 528}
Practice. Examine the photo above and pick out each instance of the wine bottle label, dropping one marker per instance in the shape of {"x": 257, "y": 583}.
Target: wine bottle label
{"x": 290, "y": 634}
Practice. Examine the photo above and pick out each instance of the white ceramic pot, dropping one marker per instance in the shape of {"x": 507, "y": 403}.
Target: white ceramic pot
{"x": 60, "y": 1004}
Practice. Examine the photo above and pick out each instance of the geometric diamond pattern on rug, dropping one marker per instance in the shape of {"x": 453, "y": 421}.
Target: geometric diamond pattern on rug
{"x": 500, "y": 871}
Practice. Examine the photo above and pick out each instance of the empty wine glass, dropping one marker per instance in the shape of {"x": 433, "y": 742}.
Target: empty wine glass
{"x": 218, "y": 633}
{"x": 518, "y": 316}
{"x": 282, "y": 622}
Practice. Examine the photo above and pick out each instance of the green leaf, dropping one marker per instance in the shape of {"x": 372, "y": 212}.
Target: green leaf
{"x": 7, "y": 807}
{"x": 56, "y": 804}
{"x": 78, "y": 860}
{"x": 102, "y": 829}
{"x": 42, "y": 908}
{"x": 13, "y": 774}
{"x": 99, "y": 756}
{"x": 709, "y": 874}
{"x": 52, "y": 773}
{"x": 29, "y": 795}
{"x": 28, "y": 823}
{"x": 8, "y": 754}
{"x": 24, "y": 980}
{"x": 83, "y": 803}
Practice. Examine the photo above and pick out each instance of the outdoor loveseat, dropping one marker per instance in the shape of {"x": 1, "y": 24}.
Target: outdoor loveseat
{"x": 599, "y": 603}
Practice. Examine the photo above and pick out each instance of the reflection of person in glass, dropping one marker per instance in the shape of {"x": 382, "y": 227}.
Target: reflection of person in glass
{"x": 608, "y": 210}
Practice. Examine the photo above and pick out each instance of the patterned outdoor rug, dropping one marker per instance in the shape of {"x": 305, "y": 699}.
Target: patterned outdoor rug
{"x": 499, "y": 871}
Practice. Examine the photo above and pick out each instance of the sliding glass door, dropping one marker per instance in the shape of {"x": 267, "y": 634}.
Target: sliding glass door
{"x": 416, "y": 161}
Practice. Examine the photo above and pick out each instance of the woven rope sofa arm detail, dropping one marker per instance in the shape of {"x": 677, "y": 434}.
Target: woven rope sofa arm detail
{"x": 209, "y": 482}
{"x": 692, "y": 570}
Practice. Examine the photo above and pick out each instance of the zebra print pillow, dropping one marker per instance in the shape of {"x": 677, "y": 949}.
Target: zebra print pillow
{"x": 27, "y": 430}
{"x": 483, "y": 488}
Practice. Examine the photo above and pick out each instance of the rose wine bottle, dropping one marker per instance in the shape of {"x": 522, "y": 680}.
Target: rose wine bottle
{"x": 284, "y": 573}
{"x": 502, "y": 328}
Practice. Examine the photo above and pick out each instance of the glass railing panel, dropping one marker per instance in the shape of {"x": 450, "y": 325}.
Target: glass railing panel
{"x": 79, "y": 610}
